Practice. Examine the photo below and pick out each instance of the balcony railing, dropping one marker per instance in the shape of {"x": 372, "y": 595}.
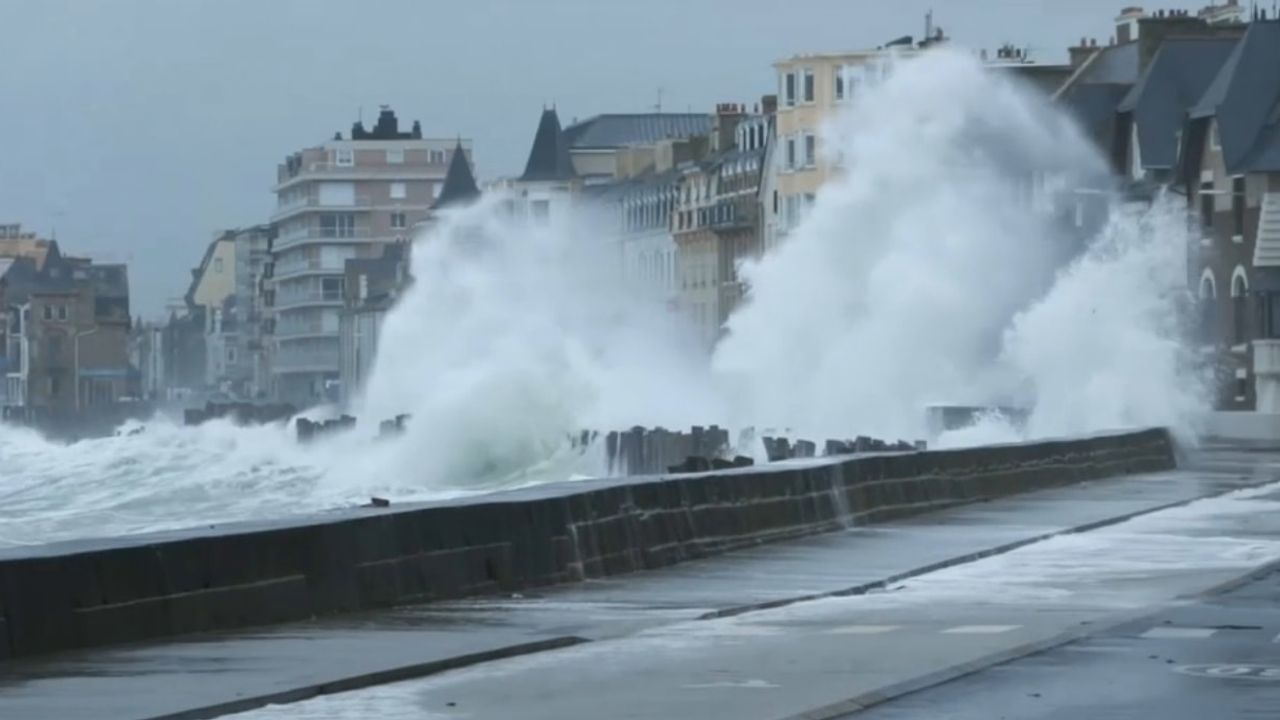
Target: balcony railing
{"x": 313, "y": 234}
{"x": 293, "y": 206}
{"x": 406, "y": 169}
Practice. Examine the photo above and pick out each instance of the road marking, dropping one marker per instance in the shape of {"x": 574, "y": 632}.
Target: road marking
{"x": 1178, "y": 633}
{"x": 1233, "y": 672}
{"x": 980, "y": 629}
{"x": 864, "y": 629}
{"x": 762, "y": 684}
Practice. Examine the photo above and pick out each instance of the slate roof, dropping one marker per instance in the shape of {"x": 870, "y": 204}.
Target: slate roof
{"x": 1098, "y": 86}
{"x": 549, "y": 156}
{"x": 459, "y": 184}
{"x": 620, "y": 129}
{"x": 1244, "y": 98}
{"x": 1172, "y": 84}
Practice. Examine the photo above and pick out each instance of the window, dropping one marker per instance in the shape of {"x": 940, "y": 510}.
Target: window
{"x": 789, "y": 92}
{"x": 397, "y": 191}
{"x": 775, "y": 202}
{"x": 344, "y": 158}
{"x": 808, "y": 85}
{"x": 1206, "y": 205}
{"x": 55, "y": 386}
{"x": 231, "y": 354}
{"x": 436, "y": 157}
{"x": 337, "y": 225}
{"x": 62, "y": 312}
{"x": 48, "y": 312}
{"x": 791, "y": 153}
{"x": 837, "y": 74}
{"x": 1239, "y": 308}
{"x": 397, "y": 221}
{"x": 331, "y": 288}
{"x": 1237, "y": 207}
{"x": 217, "y": 265}
{"x": 395, "y": 157}
{"x": 1214, "y": 141}
{"x": 810, "y": 150}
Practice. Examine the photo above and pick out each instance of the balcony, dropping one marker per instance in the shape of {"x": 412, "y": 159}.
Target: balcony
{"x": 292, "y": 301}
{"x": 333, "y": 171}
{"x": 291, "y": 359}
{"x": 310, "y": 266}
{"x": 308, "y": 203}
{"x": 322, "y": 236}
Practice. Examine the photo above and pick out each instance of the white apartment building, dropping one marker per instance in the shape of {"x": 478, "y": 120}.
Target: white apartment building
{"x": 340, "y": 201}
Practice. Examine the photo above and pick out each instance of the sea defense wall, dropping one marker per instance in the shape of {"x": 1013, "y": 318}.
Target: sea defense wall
{"x": 96, "y": 592}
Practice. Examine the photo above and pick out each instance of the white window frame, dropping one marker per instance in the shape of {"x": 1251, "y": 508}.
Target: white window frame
{"x": 395, "y": 157}
{"x": 808, "y": 82}
{"x": 398, "y": 191}
{"x": 790, "y": 156}
{"x": 790, "y": 93}
{"x": 810, "y": 159}
{"x": 403, "y": 221}
{"x": 344, "y": 157}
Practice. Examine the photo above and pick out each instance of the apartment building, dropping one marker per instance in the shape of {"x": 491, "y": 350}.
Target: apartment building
{"x": 65, "y": 337}
{"x": 342, "y": 200}
{"x": 373, "y": 285}
{"x": 717, "y": 220}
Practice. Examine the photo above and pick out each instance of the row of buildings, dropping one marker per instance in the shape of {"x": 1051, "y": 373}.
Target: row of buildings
{"x": 64, "y": 335}
{"x": 290, "y": 309}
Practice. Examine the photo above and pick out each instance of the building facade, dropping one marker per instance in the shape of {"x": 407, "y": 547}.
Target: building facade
{"x": 66, "y": 332}
{"x": 339, "y": 201}
{"x": 718, "y": 219}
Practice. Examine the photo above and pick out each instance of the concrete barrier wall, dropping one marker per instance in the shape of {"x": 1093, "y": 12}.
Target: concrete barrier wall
{"x": 87, "y": 593}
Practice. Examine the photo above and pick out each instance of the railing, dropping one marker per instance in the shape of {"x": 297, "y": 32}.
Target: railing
{"x": 286, "y": 270}
{"x": 362, "y": 201}
{"x": 436, "y": 162}
{"x": 300, "y": 236}
{"x": 299, "y": 300}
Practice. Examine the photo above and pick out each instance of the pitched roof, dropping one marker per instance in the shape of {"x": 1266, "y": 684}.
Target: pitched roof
{"x": 1112, "y": 64}
{"x": 1098, "y": 86}
{"x": 1244, "y": 98}
{"x": 549, "y": 156}
{"x": 1094, "y": 107}
{"x": 459, "y": 183}
{"x": 1174, "y": 81}
{"x": 35, "y": 249}
{"x": 620, "y": 129}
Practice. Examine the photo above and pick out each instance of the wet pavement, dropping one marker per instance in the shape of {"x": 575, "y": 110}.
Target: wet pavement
{"x": 655, "y": 614}
{"x": 1217, "y": 659}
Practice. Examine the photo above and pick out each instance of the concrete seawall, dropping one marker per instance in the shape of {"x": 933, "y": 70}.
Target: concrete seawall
{"x": 95, "y": 592}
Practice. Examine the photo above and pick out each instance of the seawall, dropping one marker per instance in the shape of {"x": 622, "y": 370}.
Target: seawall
{"x": 95, "y": 592}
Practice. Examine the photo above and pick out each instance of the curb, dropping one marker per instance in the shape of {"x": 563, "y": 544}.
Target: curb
{"x": 380, "y": 677}
{"x": 874, "y": 585}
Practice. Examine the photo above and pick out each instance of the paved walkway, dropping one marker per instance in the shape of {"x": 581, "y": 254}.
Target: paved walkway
{"x": 172, "y": 679}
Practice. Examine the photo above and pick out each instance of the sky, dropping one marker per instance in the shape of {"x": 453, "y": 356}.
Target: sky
{"x": 136, "y": 130}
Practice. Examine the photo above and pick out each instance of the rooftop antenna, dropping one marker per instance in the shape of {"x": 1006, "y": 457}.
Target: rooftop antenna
{"x": 657, "y": 107}
{"x": 928, "y": 24}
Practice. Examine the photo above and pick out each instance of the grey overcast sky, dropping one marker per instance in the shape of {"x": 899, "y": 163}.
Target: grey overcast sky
{"x": 138, "y": 128}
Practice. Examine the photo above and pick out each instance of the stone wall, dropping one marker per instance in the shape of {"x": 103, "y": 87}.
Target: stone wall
{"x": 87, "y": 593}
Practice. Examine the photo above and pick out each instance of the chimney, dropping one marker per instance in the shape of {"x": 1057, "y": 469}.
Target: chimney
{"x": 769, "y": 104}
{"x": 1082, "y": 52}
{"x": 725, "y": 125}
{"x": 1127, "y": 23}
